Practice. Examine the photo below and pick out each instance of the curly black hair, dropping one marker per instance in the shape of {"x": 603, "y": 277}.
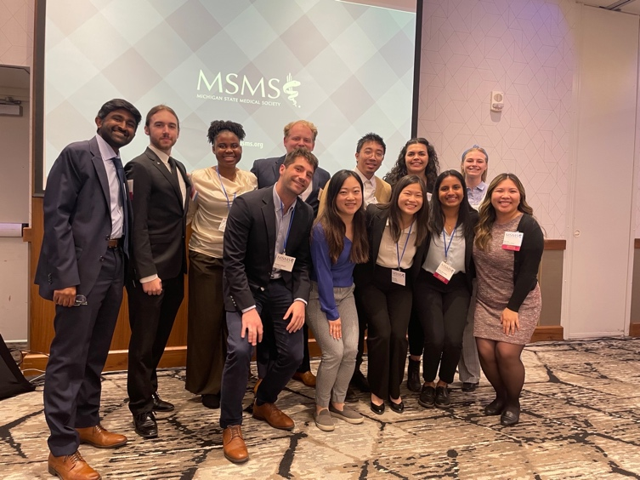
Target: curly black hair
{"x": 399, "y": 170}
{"x": 218, "y": 126}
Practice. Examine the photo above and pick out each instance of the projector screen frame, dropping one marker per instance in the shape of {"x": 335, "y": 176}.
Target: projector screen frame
{"x": 38, "y": 82}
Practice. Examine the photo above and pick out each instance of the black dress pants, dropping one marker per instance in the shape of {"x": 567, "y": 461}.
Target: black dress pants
{"x": 388, "y": 307}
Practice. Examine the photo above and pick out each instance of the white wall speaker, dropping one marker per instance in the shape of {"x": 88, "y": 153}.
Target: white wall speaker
{"x": 497, "y": 101}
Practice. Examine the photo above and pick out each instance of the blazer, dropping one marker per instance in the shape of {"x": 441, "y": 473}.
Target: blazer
{"x": 159, "y": 217}
{"x": 376, "y": 222}
{"x": 267, "y": 170}
{"x": 249, "y": 249}
{"x": 382, "y": 194}
{"x": 77, "y": 220}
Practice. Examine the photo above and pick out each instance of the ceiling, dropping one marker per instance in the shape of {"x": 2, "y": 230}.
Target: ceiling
{"x": 626, "y": 6}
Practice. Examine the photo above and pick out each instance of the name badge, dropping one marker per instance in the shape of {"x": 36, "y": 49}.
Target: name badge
{"x": 398, "y": 277}
{"x": 444, "y": 272}
{"x": 284, "y": 262}
{"x": 512, "y": 241}
{"x": 130, "y": 188}
{"x": 223, "y": 224}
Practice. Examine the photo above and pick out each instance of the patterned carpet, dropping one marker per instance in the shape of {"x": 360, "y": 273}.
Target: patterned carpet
{"x": 580, "y": 420}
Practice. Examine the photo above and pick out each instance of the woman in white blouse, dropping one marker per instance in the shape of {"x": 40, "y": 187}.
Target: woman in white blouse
{"x": 443, "y": 288}
{"x": 216, "y": 188}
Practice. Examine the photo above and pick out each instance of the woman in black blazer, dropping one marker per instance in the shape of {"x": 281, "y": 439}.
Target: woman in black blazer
{"x": 397, "y": 233}
{"x": 443, "y": 289}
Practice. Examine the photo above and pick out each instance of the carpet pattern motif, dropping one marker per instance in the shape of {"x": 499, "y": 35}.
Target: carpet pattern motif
{"x": 580, "y": 419}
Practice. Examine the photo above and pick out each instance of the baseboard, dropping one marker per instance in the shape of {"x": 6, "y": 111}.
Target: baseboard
{"x": 117, "y": 360}
{"x": 634, "y": 329}
{"x": 544, "y": 333}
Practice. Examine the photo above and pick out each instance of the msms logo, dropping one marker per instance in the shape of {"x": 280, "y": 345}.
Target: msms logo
{"x": 242, "y": 89}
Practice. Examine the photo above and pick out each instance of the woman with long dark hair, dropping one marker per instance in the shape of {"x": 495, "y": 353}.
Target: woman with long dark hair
{"x": 507, "y": 250}
{"x": 397, "y": 232}
{"x": 417, "y": 157}
{"x": 338, "y": 242}
{"x": 443, "y": 288}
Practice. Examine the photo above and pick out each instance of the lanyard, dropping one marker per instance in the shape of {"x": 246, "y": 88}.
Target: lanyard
{"x": 284, "y": 247}
{"x": 229, "y": 203}
{"x": 405, "y": 247}
{"x": 447, "y": 247}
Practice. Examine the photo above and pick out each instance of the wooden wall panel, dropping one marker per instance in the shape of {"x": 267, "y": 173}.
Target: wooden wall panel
{"x": 42, "y": 313}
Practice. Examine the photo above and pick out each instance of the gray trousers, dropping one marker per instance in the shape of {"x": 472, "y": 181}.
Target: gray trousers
{"x": 338, "y": 356}
{"x": 469, "y": 364}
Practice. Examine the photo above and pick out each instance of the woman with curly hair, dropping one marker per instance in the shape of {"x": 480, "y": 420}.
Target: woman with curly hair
{"x": 216, "y": 187}
{"x": 417, "y": 157}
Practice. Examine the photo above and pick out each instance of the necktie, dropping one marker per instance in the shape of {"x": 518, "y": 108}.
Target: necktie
{"x": 123, "y": 195}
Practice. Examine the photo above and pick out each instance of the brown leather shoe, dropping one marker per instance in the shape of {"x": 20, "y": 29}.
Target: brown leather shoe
{"x": 98, "y": 437}
{"x": 308, "y": 378}
{"x": 233, "y": 446}
{"x": 71, "y": 467}
{"x": 273, "y": 416}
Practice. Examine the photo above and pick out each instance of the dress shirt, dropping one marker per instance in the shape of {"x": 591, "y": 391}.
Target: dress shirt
{"x": 210, "y": 207}
{"x": 304, "y": 195}
{"x": 117, "y": 214}
{"x": 164, "y": 158}
{"x": 369, "y": 194}
{"x": 455, "y": 256}
{"x": 390, "y": 250}
{"x": 476, "y": 194}
{"x": 283, "y": 220}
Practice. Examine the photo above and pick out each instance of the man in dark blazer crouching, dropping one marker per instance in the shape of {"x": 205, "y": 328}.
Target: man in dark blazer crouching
{"x": 266, "y": 282}
{"x": 81, "y": 268}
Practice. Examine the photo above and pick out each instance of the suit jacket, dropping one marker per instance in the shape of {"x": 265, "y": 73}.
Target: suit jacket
{"x": 249, "y": 246}
{"x": 382, "y": 194}
{"x": 376, "y": 222}
{"x": 77, "y": 220}
{"x": 267, "y": 170}
{"x": 159, "y": 217}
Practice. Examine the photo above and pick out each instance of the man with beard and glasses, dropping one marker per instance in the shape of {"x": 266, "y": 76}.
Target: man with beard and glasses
{"x": 81, "y": 268}
{"x": 155, "y": 285}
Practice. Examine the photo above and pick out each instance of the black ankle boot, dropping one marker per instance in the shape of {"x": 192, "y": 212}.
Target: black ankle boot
{"x": 413, "y": 376}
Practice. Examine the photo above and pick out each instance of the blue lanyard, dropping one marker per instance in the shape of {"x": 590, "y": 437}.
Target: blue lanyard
{"x": 447, "y": 247}
{"x": 405, "y": 247}
{"x": 225, "y": 191}
{"x": 284, "y": 247}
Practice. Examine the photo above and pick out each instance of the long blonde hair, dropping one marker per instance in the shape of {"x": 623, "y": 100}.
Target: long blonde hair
{"x": 487, "y": 212}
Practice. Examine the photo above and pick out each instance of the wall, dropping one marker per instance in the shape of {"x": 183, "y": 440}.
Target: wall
{"x": 16, "y": 48}
{"x": 525, "y": 49}
{"x": 16, "y": 32}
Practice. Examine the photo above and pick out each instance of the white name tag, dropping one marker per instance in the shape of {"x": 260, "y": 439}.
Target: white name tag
{"x": 284, "y": 262}
{"x": 223, "y": 224}
{"x": 444, "y": 272}
{"x": 512, "y": 241}
{"x": 398, "y": 277}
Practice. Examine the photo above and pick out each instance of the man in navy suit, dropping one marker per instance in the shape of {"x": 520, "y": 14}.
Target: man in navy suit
{"x": 156, "y": 284}
{"x": 266, "y": 283}
{"x": 297, "y": 134}
{"x": 81, "y": 268}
